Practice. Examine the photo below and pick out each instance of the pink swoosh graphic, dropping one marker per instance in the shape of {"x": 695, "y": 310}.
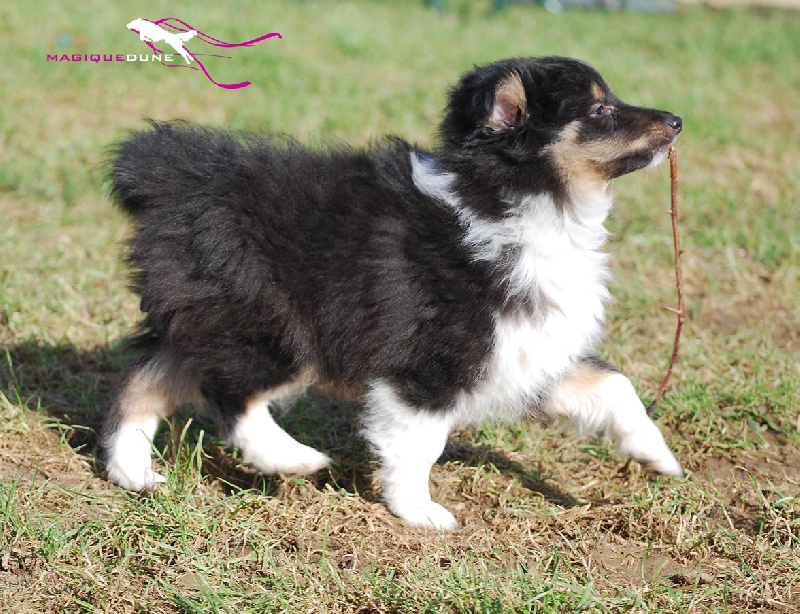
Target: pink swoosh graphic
{"x": 210, "y": 40}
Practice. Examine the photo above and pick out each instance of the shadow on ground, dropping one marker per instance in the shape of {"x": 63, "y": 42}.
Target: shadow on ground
{"x": 74, "y": 385}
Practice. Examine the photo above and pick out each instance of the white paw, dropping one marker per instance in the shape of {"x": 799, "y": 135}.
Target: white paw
{"x": 309, "y": 461}
{"x": 134, "y": 476}
{"x": 270, "y": 449}
{"x": 129, "y": 453}
{"x": 667, "y": 466}
{"x": 296, "y": 458}
{"x": 647, "y": 446}
{"x": 429, "y": 515}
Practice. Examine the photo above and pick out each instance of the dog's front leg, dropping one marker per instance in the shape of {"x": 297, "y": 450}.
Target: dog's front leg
{"x": 594, "y": 397}
{"x": 408, "y": 442}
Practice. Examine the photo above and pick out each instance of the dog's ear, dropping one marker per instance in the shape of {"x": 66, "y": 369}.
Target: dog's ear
{"x": 510, "y": 107}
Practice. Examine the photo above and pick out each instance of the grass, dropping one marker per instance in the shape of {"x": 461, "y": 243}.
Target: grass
{"x": 549, "y": 524}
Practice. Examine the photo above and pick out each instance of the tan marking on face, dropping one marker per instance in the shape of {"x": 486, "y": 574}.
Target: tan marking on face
{"x": 584, "y": 161}
{"x": 644, "y": 141}
{"x": 509, "y": 99}
{"x": 597, "y": 92}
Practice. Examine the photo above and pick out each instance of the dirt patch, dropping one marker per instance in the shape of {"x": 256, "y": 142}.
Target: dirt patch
{"x": 749, "y": 486}
{"x": 38, "y": 454}
{"x": 629, "y": 565}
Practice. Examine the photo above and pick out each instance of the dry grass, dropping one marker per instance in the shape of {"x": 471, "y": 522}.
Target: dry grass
{"x": 549, "y": 524}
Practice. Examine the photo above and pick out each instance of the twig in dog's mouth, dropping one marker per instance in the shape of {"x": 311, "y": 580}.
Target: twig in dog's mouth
{"x": 676, "y": 241}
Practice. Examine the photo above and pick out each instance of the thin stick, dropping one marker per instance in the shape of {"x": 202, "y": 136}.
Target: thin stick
{"x": 676, "y": 240}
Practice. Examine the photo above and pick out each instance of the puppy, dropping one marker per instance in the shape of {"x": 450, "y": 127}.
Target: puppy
{"x": 439, "y": 288}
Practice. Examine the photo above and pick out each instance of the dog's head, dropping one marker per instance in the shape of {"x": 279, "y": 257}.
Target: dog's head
{"x": 555, "y": 114}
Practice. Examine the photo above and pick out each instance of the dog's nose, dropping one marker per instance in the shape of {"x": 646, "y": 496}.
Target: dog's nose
{"x": 675, "y": 122}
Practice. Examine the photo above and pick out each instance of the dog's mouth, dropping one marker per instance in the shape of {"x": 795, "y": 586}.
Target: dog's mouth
{"x": 659, "y": 151}
{"x": 664, "y": 147}
{"x": 655, "y": 142}
{"x": 665, "y": 142}
{"x": 649, "y": 152}
{"x": 664, "y": 133}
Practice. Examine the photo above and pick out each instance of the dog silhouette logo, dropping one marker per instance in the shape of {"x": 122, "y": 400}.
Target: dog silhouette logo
{"x": 150, "y": 32}
{"x": 177, "y": 33}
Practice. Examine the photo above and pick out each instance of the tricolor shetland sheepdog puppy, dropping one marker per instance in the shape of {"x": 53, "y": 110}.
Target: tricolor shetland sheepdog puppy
{"x": 440, "y": 288}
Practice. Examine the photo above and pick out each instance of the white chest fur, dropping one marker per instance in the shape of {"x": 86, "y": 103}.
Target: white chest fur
{"x": 559, "y": 265}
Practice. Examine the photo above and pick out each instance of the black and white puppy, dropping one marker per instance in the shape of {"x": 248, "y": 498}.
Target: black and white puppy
{"x": 440, "y": 289}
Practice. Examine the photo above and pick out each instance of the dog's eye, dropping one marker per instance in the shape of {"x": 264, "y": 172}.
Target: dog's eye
{"x": 603, "y": 110}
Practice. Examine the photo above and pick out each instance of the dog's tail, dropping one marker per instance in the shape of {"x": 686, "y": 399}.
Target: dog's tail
{"x": 172, "y": 164}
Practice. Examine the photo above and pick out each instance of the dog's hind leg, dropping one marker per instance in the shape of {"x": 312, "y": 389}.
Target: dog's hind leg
{"x": 594, "y": 397}
{"x": 262, "y": 442}
{"x": 149, "y": 392}
{"x": 408, "y": 442}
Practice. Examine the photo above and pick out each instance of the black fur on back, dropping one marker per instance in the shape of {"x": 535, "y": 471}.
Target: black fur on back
{"x": 255, "y": 259}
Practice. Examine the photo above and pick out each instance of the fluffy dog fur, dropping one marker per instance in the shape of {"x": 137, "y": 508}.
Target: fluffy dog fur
{"x": 438, "y": 288}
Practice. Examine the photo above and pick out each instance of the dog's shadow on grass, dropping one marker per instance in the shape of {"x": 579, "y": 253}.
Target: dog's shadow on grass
{"x": 67, "y": 383}
{"x": 73, "y": 386}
